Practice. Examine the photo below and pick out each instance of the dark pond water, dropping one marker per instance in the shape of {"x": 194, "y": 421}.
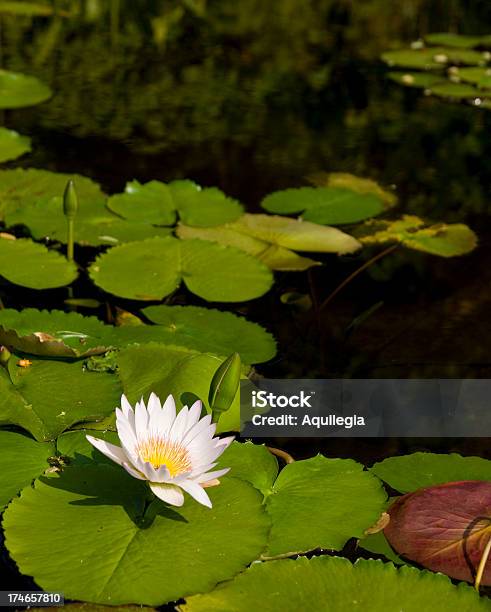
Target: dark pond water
{"x": 253, "y": 97}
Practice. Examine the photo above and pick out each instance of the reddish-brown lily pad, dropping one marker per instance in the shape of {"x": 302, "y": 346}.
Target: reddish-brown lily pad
{"x": 444, "y": 528}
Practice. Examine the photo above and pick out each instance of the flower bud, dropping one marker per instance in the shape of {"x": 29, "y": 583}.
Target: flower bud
{"x": 70, "y": 200}
{"x": 224, "y": 385}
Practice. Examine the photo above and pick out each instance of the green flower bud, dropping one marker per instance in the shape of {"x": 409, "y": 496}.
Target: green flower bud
{"x": 70, "y": 200}
{"x": 224, "y": 385}
{"x": 5, "y": 355}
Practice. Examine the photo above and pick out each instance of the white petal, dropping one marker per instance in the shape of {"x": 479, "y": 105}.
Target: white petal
{"x": 167, "y": 416}
{"x": 225, "y": 442}
{"x": 126, "y": 406}
{"x": 141, "y": 420}
{"x": 168, "y": 493}
{"x": 194, "y": 413}
{"x": 211, "y": 475}
{"x": 202, "y": 429}
{"x": 199, "y": 494}
{"x": 178, "y": 429}
{"x": 153, "y": 406}
{"x": 115, "y": 453}
{"x": 132, "y": 472}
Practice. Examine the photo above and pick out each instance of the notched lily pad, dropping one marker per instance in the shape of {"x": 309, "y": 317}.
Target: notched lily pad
{"x": 325, "y": 205}
{"x": 152, "y": 269}
{"x": 444, "y": 528}
{"x": 12, "y": 145}
{"x": 333, "y": 584}
{"x": 28, "y": 264}
{"x": 20, "y": 90}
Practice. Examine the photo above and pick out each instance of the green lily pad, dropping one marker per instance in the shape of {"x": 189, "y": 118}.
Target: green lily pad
{"x": 333, "y": 584}
{"x": 172, "y": 370}
{"x": 105, "y": 548}
{"x": 150, "y": 203}
{"x": 20, "y": 90}
{"x": 251, "y": 462}
{"x": 152, "y": 269}
{"x": 481, "y": 77}
{"x": 332, "y": 499}
{"x": 53, "y": 334}
{"x": 461, "y": 91}
{"x": 157, "y": 203}
{"x": 325, "y": 205}
{"x": 377, "y": 543}
{"x": 447, "y": 39}
{"x": 411, "y": 472}
{"x": 359, "y": 184}
{"x": 432, "y": 58}
{"x": 20, "y": 189}
{"x": 25, "y": 263}
{"x": 211, "y": 330}
{"x": 421, "y": 80}
{"x": 439, "y": 239}
{"x": 12, "y": 145}
{"x": 203, "y": 207}
{"x": 49, "y": 397}
{"x": 21, "y": 461}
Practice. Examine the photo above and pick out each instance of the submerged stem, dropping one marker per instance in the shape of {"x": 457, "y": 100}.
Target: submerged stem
{"x": 482, "y": 565}
{"x": 358, "y": 271}
{"x": 287, "y": 458}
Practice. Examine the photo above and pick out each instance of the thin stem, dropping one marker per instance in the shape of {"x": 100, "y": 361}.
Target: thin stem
{"x": 482, "y": 565}
{"x": 287, "y": 458}
{"x": 358, "y": 271}
{"x": 70, "y": 239}
{"x": 115, "y": 17}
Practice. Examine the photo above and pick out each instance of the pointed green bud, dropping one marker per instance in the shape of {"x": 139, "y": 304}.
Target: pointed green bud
{"x": 5, "y": 355}
{"x": 70, "y": 200}
{"x": 224, "y": 385}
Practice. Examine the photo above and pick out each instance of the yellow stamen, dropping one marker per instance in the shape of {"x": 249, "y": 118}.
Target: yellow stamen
{"x": 159, "y": 451}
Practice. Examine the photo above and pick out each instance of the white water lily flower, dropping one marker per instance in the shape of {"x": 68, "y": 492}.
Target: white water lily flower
{"x": 173, "y": 452}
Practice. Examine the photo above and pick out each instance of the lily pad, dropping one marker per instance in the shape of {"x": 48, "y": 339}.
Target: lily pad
{"x": 325, "y": 205}
{"x": 21, "y": 461}
{"x": 251, "y": 462}
{"x": 55, "y": 333}
{"x": 157, "y": 203}
{"x": 210, "y": 330}
{"x": 152, "y": 269}
{"x": 48, "y": 397}
{"x": 333, "y": 584}
{"x": 481, "y": 77}
{"x": 20, "y": 90}
{"x": 150, "y": 203}
{"x": 362, "y": 185}
{"x": 439, "y": 239}
{"x": 432, "y": 58}
{"x": 422, "y": 80}
{"x": 411, "y": 472}
{"x": 332, "y": 499}
{"x": 12, "y": 145}
{"x": 447, "y": 39}
{"x": 444, "y": 528}
{"x": 461, "y": 91}
{"x": 74, "y": 446}
{"x": 140, "y": 556}
{"x": 172, "y": 370}
{"x": 377, "y": 543}
{"x": 25, "y": 263}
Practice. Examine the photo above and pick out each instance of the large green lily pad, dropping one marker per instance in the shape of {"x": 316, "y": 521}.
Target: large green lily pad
{"x": 333, "y": 584}
{"x": 48, "y": 397}
{"x": 419, "y": 80}
{"x": 411, "y": 472}
{"x": 433, "y": 58}
{"x": 325, "y": 205}
{"x": 359, "y": 184}
{"x": 104, "y": 548}
{"x": 19, "y": 90}
{"x": 152, "y": 269}
{"x": 22, "y": 459}
{"x": 332, "y": 500}
{"x": 12, "y": 145}
{"x": 481, "y": 77}
{"x": 26, "y": 263}
{"x": 158, "y": 203}
{"x": 439, "y": 239}
{"x": 211, "y": 330}
{"x": 449, "y": 39}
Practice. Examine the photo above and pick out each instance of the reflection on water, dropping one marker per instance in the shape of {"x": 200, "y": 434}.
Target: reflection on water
{"x": 251, "y": 99}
